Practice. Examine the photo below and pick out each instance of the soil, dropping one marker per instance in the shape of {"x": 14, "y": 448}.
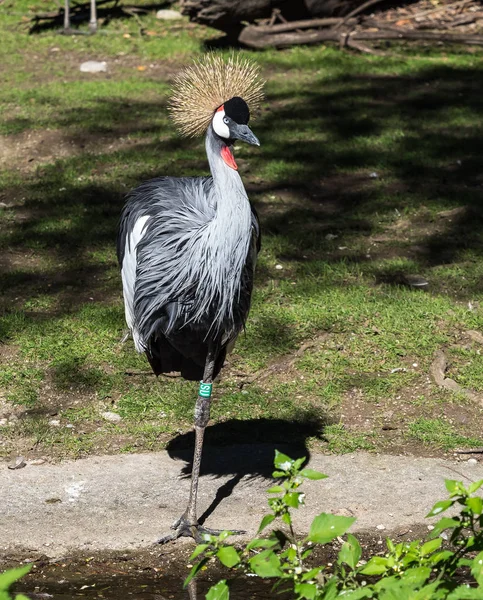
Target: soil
{"x": 158, "y": 573}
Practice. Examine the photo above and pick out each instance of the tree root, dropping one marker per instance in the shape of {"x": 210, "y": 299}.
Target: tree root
{"x": 285, "y": 363}
{"x": 437, "y": 371}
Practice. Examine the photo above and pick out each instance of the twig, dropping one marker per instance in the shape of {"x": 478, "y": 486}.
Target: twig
{"x": 466, "y": 19}
{"x": 363, "y": 47}
{"x": 437, "y": 10}
{"x": 457, "y": 472}
{"x": 132, "y": 13}
{"x": 304, "y": 24}
{"x": 134, "y": 372}
{"x": 357, "y": 11}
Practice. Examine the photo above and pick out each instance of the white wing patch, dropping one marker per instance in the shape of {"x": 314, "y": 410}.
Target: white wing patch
{"x": 128, "y": 274}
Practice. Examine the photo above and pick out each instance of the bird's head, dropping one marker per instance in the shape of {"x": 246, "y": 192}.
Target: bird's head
{"x": 199, "y": 100}
{"x": 230, "y": 122}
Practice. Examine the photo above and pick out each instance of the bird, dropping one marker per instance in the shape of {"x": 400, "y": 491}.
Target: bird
{"x": 187, "y": 246}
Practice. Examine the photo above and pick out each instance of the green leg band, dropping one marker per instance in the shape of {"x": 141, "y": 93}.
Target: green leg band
{"x": 205, "y": 389}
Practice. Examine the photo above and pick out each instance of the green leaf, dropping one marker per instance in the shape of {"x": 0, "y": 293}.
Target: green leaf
{"x": 429, "y": 592}
{"x": 327, "y": 527}
{"x": 261, "y": 543}
{"x": 465, "y": 593}
{"x": 376, "y": 566}
{"x": 266, "y": 564}
{"x": 11, "y": 576}
{"x": 286, "y": 518}
{"x": 21, "y": 597}
{"x": 475, "y": 486}
{"x": 267, "y": 519}
{"x": 279, "y": 474}
{"x": 218, "y": 591}
{"x": 306, "y": 590}
{"x": 294, "y": 499}
{"x": 440, "y": 507}
{"x": 430, "y": 547}
{"x": 194, "y": 570}
{"x": 440, "y": 556}
{"x": 452, "y": 485}
{"x": 475, "y": 505}
{"x": 417, "y": 576}
{"x": 312, "y": 573}
{"x": 282, "y": 462}
{"x": 276, "y": 489}
{"x": 330, "y": 591}
{"x": 311, "y": 474}
{"x": 228, "y": 556}
{"x": 198, "y": 550}
{"x": 351, "y": 552}
{"x": 477, "y": 568}
{"x": 359, "y": 594}
{"x": 442, "y": 524}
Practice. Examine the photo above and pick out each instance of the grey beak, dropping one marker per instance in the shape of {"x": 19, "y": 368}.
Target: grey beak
{"x": 244, "y": 133}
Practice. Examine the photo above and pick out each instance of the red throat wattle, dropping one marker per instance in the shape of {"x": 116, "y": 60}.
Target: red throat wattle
{"x": 228, "y": 158}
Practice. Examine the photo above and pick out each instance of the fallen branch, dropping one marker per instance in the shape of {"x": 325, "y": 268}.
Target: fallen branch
{"x": 255, "y": 37}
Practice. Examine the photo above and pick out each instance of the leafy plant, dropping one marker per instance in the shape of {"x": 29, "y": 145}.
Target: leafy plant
{"x": 8, "y": 578}
{"x": 419, "y": 570}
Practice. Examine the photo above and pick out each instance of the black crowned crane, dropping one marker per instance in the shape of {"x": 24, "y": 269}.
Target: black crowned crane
{"x": 187, "y": 246}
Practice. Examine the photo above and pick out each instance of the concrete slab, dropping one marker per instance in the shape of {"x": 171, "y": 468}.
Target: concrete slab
{"x": 127, "y": 501}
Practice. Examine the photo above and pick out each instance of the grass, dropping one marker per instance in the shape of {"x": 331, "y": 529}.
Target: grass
{"x": 368, "y": 173}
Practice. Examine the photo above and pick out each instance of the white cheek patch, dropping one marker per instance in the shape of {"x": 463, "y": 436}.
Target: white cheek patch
{"x": 219, "y": 126}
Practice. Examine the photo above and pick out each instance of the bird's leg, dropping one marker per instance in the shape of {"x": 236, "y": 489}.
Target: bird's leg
{"x": 93, "y": 19}
{"x": 66, "y": 16}
{"x": 187, "y": 524}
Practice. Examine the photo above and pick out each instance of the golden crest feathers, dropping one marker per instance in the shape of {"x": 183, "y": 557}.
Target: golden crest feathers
{"x": 204, "y": 86}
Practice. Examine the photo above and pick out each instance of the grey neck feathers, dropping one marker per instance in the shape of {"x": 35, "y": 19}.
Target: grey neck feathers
{"x": 227, "y": 236}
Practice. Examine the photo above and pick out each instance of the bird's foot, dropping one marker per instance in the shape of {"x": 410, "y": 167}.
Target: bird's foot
{"x": 183, "y": 528}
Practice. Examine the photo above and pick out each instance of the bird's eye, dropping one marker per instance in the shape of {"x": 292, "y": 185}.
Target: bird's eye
{"x": 226, "y": 120}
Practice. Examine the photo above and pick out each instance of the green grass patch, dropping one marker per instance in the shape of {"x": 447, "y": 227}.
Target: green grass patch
{"x": 440, "y": 433}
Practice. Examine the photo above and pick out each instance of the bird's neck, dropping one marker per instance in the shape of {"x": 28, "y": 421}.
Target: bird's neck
{"x": 230, "y": 194}
{"x": 227, "y": 237}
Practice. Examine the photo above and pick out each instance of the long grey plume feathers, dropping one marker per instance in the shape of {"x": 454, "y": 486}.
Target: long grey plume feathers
{"x": 203, "y": 241}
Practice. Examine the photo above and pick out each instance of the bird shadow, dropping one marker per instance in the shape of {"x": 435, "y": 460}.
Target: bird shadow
{"x": 245, "y": 449}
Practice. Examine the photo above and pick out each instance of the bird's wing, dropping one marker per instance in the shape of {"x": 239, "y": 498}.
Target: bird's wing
{"x": 155, "y": 212}
{"x": 132, "y": 237}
